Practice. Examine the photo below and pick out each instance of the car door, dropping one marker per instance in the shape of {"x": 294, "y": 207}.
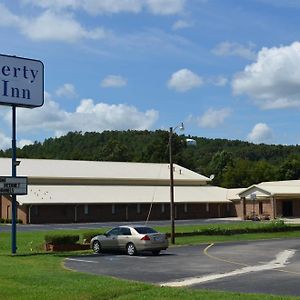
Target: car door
{"x": 110, "y": 242}
{"x": 124, "y": 237}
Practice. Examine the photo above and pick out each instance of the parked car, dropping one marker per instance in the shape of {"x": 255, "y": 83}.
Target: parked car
{"x": 131, "y": 239}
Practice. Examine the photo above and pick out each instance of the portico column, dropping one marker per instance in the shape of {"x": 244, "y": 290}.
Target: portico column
{"x": 274, "y": 208}
{"x": 244, "y": 207}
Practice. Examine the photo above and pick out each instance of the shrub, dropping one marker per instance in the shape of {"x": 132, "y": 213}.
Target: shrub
{"x": 61, "y": 239}
{"x": 9, "y": 221}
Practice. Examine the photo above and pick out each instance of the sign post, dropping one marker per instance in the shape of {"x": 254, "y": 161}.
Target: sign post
{"x": 21, "y": 84}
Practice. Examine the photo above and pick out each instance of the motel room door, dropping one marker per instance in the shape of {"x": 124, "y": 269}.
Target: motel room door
{"x": 287, "y": 208}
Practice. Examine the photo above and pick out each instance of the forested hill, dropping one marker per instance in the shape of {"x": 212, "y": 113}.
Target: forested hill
{"x": 234, "y": 163}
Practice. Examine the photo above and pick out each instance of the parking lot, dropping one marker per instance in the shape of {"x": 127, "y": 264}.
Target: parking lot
{"x": 252, "y": 267}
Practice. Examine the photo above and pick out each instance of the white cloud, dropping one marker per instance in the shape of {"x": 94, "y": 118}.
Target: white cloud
{"x": 96, "y": 7}
{"x": 111, "y": 6}
{"x": 88, "y": 116}
{"x": 58, "y": 27}
{"x": 184, "y": 80}
{"x": 5, "y": 142}
{"x": 165, "y": 7}
{"x": 113, "y": 81}
{"x": 23, "y": 143}
{"x": 235, "y": 49}
{"x": 213, "y": 117}
{"x": 181, "y": 24}
{"x": 67, "y": 90}
{"x": 50, "y": 26}
{"x": 273, "y": 81}
{"x": 261, "y": 133}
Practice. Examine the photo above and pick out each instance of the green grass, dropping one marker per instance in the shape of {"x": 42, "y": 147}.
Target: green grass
{"x": 34, "y": 274}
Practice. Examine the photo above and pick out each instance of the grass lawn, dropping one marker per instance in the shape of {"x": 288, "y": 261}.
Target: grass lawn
{"x": 34, "y": 274}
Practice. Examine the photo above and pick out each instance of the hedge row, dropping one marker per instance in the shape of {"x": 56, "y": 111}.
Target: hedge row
{"x": 9, "y": 221}
{"x": 61, "y": 239}
{"x": 274, "y": 226}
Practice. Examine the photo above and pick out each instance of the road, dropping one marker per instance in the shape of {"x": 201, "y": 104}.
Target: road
{"x": 270, "y": 267}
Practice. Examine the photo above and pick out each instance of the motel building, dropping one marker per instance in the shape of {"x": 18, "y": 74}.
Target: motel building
{"x": 66, "y": 191}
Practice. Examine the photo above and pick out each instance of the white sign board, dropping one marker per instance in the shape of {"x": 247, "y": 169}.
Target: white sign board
{"x": 13, "y": 185}
{"x": 21, "y": 81}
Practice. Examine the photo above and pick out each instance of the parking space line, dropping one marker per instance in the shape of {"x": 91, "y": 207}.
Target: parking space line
{"x": 83, "y": 260}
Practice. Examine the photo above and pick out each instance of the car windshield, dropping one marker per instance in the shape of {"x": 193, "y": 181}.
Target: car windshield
{"x": 145, "y": 230}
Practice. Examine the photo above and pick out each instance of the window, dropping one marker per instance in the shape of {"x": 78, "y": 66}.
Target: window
{"x": 114, "y": 231}
{"x": 113, "y": 209}
{"x": 185, "y": 207}
{"x": 145, "y": 230}
{"x": 138, "y": 208}
{"x": 86, "y": 209}
{"x": 163, "y": 208}
{"x": 207, "y": 207}
{"x": 125, "y": 231}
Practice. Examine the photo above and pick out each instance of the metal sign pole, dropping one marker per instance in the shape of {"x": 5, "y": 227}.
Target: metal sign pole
{"x": 14, "y": 174}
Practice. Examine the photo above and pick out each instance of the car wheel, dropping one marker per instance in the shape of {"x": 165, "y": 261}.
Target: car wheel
{"x": 130, "y": 249}
{"x": 96, "y": 247}
{"x": 156, "y": 252}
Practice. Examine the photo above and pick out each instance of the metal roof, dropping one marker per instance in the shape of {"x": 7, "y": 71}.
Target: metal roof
{"x": 273, "y": 188}
{"x": 84, "y": 194}
{"x": 48, "y": 168}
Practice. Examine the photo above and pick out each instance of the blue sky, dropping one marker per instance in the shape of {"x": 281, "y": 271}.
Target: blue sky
{"x": 227, "y": 69}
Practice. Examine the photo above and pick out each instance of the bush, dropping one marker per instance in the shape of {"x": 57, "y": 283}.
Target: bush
{"x": 217, "y": 231}
{"x": 273, "y": 226}
{"x": 9, "y": 221}
{"x": 61, "y": 239}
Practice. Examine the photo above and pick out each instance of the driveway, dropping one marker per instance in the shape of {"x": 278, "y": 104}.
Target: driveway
{"x": 252, "y": 267}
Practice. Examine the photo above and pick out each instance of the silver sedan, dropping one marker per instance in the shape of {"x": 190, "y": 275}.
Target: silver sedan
{"x": 131, "y": 239}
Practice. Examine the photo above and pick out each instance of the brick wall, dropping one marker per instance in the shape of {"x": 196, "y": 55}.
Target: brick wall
{"x": 125, "y": 212}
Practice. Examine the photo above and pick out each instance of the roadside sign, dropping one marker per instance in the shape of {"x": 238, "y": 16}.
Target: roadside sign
{"x": 21, "y": 81}
{"x": 13, "y": 185}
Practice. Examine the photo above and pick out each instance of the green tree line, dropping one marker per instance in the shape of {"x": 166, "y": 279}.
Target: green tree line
{"x": 233, "y": 163}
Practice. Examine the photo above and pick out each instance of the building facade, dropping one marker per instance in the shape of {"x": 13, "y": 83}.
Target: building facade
{"x": 269, "y": 199}
{"x": 61, "y": 191}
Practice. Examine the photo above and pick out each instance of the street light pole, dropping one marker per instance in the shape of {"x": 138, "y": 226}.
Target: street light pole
{"x": 172, "y": 206}
{"x": 171, "y": 188}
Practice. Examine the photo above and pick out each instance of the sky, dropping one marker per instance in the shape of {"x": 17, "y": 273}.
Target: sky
{"x": 226, "y": 68}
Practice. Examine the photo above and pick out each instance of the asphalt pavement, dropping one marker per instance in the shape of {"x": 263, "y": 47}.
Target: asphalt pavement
{"x": 270, "y": 267}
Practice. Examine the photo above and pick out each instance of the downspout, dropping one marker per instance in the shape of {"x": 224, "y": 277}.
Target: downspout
{"x": 274, "y": 207}
{"x": 29, "y": 214}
